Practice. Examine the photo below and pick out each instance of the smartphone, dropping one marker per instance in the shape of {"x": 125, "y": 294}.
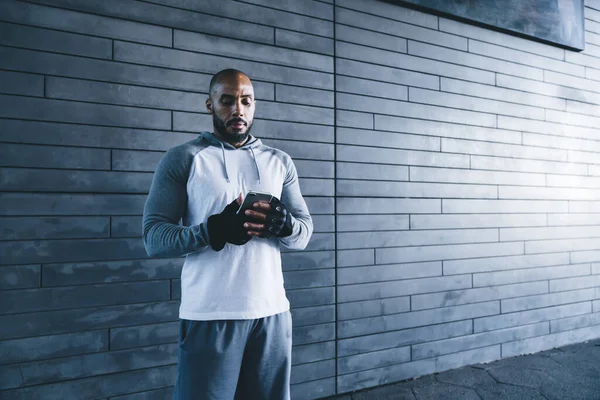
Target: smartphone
{"x": 253, "y": 197}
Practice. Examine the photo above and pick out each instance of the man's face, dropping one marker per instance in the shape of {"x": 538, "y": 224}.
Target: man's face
{"x": 232, "y": 107}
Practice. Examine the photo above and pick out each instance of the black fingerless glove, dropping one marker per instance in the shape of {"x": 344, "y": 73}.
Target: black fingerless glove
{"x": 279, "y": 220}
{"x": 227, "y": 227}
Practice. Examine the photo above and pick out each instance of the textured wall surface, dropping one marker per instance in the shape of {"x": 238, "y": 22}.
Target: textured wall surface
{"x": 453, "y": 175}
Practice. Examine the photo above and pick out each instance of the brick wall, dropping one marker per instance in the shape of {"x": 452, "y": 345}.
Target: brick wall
{"x": 457, "y": 168}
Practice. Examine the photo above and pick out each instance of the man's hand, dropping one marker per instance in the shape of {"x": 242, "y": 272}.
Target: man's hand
{"x": 269, "y": 220}
{"x": 228, "y": 227}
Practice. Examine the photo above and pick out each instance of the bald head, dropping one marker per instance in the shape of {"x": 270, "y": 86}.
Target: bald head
{"x": 227, "y": 75}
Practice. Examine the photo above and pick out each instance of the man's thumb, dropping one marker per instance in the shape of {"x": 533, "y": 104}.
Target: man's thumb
{"x": 240, "y": 199}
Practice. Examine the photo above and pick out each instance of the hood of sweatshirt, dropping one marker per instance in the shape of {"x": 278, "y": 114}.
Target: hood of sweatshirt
{"x": 251, "y": 144}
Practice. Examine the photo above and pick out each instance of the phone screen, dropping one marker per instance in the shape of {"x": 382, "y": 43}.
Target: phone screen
{"x": 253, "y": 197}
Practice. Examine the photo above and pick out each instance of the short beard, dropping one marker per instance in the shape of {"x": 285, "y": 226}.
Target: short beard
{"x": 232, "y": 138}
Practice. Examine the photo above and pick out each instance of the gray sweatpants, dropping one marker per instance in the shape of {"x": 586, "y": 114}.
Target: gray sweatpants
{"x": 235, "y": 359}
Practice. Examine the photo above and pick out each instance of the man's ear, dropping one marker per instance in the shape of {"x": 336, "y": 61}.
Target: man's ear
{"x": 209, "y": 104}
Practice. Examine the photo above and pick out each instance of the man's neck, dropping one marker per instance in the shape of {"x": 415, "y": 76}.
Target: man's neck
{"x": 234, "y": 144}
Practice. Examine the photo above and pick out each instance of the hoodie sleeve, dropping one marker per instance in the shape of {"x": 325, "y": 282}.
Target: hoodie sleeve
{"x": 165, "y": 206}
{"x": 302, "y": 224}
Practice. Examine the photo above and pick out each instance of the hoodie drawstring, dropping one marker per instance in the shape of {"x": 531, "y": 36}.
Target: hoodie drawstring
{"x": 224, "y": 162}
{"x": 255, "y": 163}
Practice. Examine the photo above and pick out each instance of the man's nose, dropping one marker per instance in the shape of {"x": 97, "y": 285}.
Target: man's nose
{"x": 238, "y": 110}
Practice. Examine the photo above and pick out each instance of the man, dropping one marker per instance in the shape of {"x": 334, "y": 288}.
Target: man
{"x": 235, "y": 324}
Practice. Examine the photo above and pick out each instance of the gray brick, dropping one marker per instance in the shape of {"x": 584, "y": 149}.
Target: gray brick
{"x": 502, "y": 150}
{"x": 350, "y": 258}
{"x": 191, "y": 122}
{"x": 44, "y": 299}
{"x": 530, "y": 193}
{"x": 39, "y": 180}
{"x": 18, "y": 83}
{"x": 313, "y": 352}
{"x": 70, "y": 204}
{"x": 532, "y": 316}
{"x": 50, "y": 40}
{"x": 25, "y": 228}
{"x": 473, "y": 60}
{"x": 172, "y": 17}
{"x": 10, "y": 377}
{"x": 126, "y": 227}
{"x": 20, "y": 276}
{"x": 308, "y": 260}
{"x": 311, "y": 297}
{"x": 349, "y": 240}
{"x": 96, "y": 364}
{"x": 527, "y": 275}
{"x": 396, "y": 108}
{"x": 64, "y": 321}
{"x": 436, "y": 128}
{"x": 371, "y": 88}
{"x": 89, "y": 24}
{"x": 23, "y": 155}
{"x": 549, "y": 341}
{"x": 382, "y": 273}
{"x": 560, "y": 284}
{"x": 319, "y": 205}
{"x": 370, "y": 222}
{"x": 490, "y": 263}
{"x": 595, "y": 268}
{"x": 156, "y": 394}
{"x": 380, "y": 290}
{"x": 314, "y": 169}
{"x": 306, "y": 150}
{"x": 298, "y": 95}
{"x": 474, "y": 176}
{"x": 309, "y": 278}
{"x": 596, "y": 305}
{"x": 392, "y": 11}
{"x": 447, "y": 252}
{"x": 302, "y": 41}
{"x": 257, "y": 52}
{"x": 449, "y": 221}
{"x": 364, "y": 344}
{"x": 399, "y": 372}
{"x": 131, "y": 160}
{"x": 314, "y": 389}
{"x": 85, "y": 135}
{"x": 144, "y": 335}
{"x": 295, "y": 113}
{"x": 108, "y": 385}
{"x": 259, "y": 15}
{"x": 525, "y": 58}
{"x": 313, "y": 315}
{"x": 176, "y": 289}
{"x": 560, "y": 142}
{"x": 389, "y": 139}
{"x": 376, "y": 359}
{"x": 454, "y": 345}
{"x": 384, "y": 25}
{"x": 571, "y": 81}
{"x": 160, "y": 57}
{"x": 353, "y": 119}
{"x": 307, "y": 7}
{"x": 452, "y": 206}
{"x": 313, "y": 333}
{"x": 550, "y": 128}
{"x": 582, "y": 157}
{"x": 361, "y": 67}
{"x": 546, "y": 246}
{"x": 434, "y": 97}
{"x": 410, "y": 189}
{"x": 43, "y": 251}
{"x": 501, "y": 94}
{"x": 293, "y": 131}
{"x": 585, "y": 256}
{"x": 505, "y": 40}
{"x": 317, "y": 187}
{"x": 67, "y": 111}
{"x": 547, "y": 233}
{"x": 313, "y": 371}
{"x": 52, "y": 346}
{"x": 569, "y": 323}
{"x": 372, "y": 308}
{"x": 109, "y": 93}
{"x": 547, "y": 300}
{"x": 369, "y": 38}
{"x": 570, "y": 118}
{"x": 467, "y": 296}
{"x": 584, "y": 206}
{"x": 388, "y": 206}
{"x": 581, "y": 108}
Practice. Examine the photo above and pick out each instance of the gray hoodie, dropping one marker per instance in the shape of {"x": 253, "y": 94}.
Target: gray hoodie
{"x": 198, "y": 179}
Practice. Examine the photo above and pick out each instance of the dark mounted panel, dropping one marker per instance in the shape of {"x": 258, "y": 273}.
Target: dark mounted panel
{"x": 558, "y": 22}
